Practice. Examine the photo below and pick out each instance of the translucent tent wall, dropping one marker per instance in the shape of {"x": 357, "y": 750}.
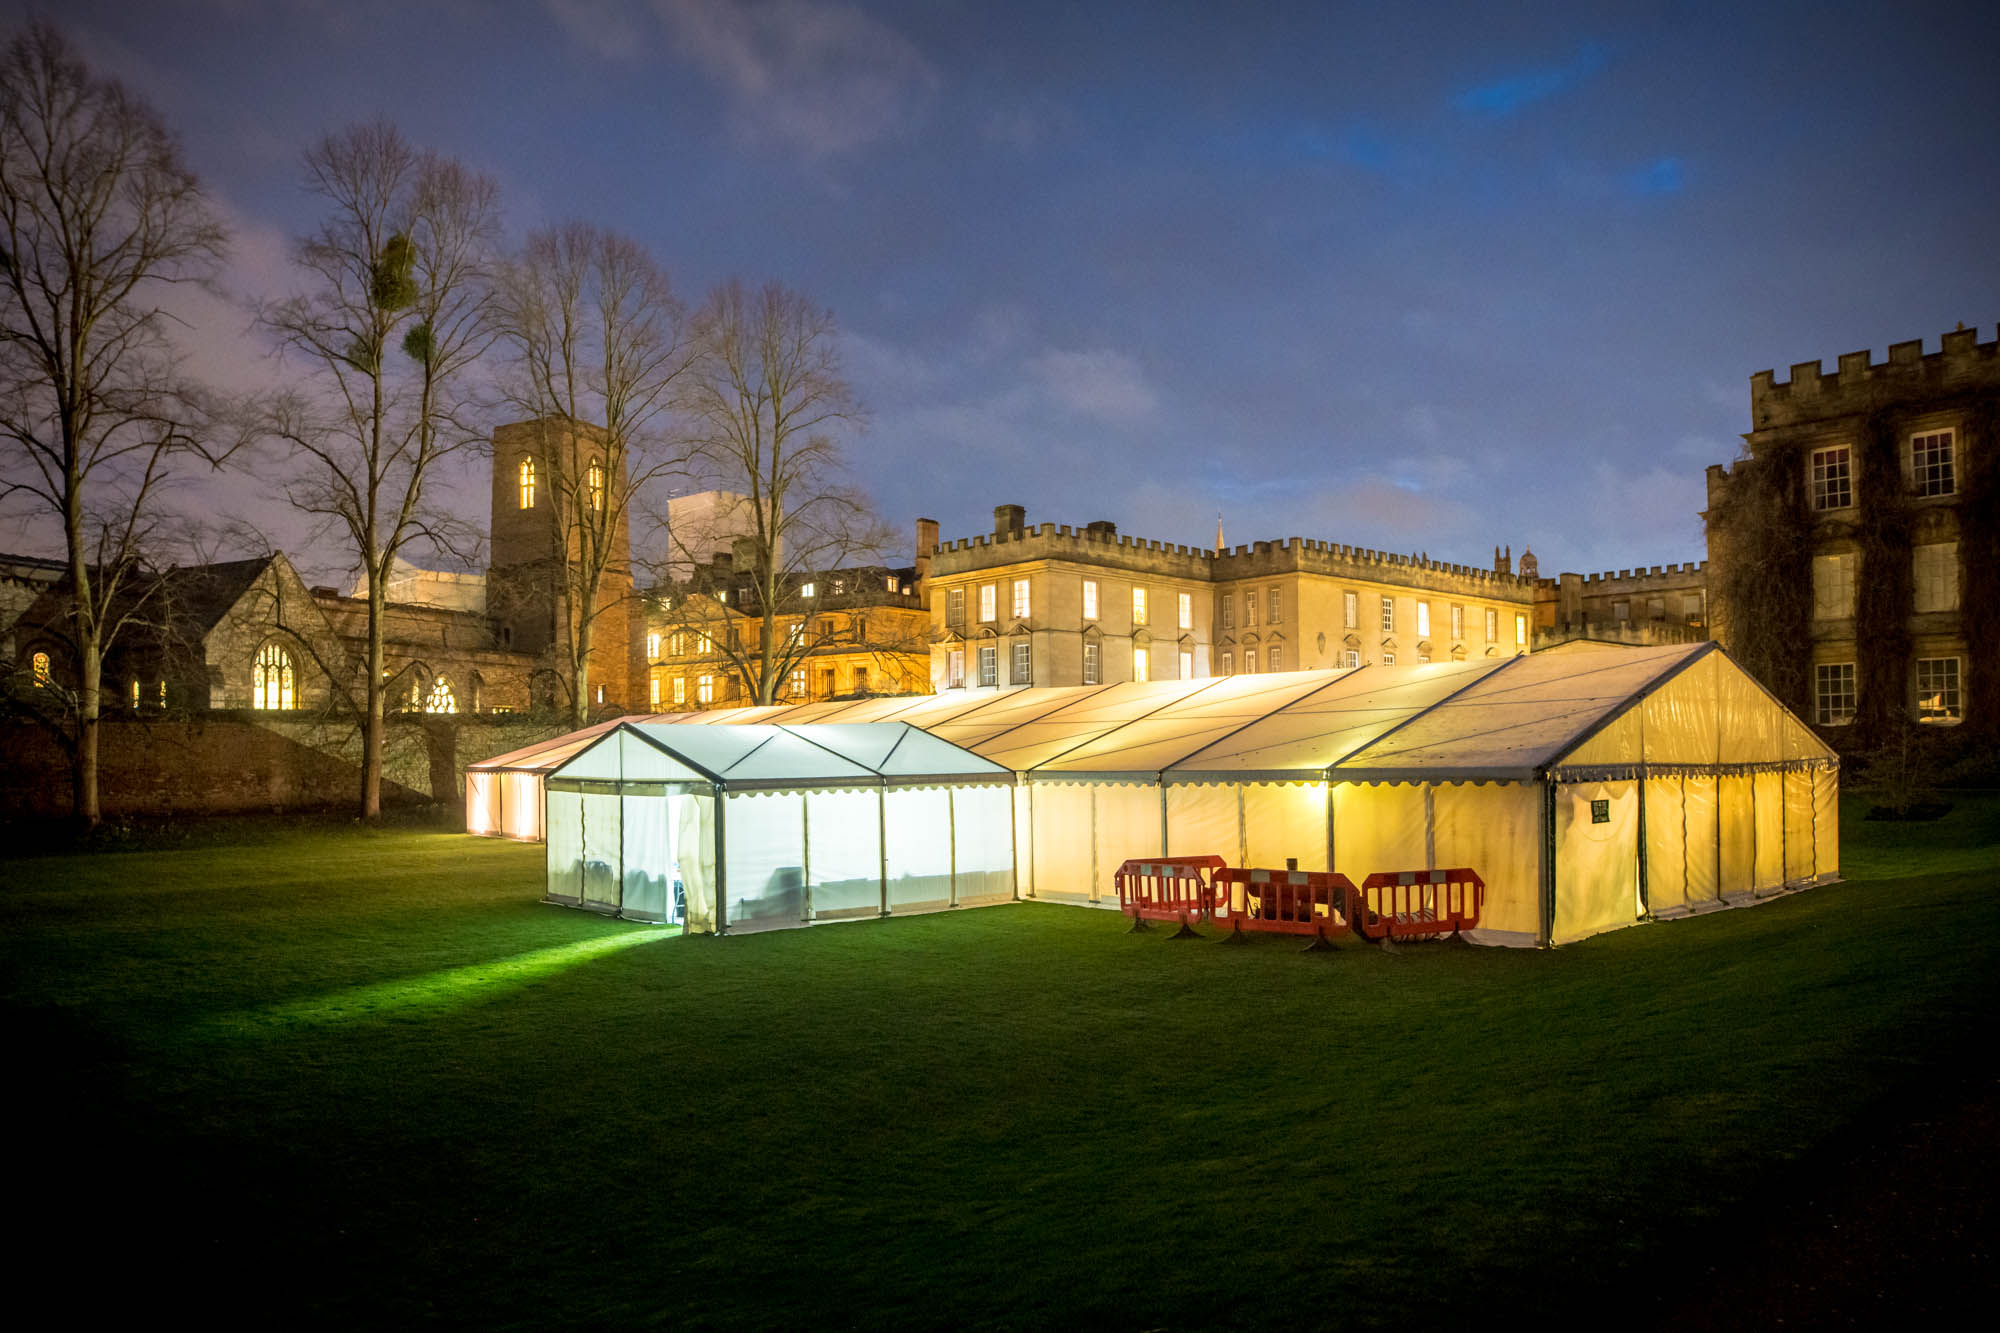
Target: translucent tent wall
{"x": 757, "y": 826}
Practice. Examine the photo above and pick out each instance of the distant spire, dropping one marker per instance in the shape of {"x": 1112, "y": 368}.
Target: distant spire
{"x": 1218, "y": 531}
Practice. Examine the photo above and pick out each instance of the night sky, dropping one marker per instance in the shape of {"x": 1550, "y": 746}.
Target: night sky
{"x": 1423, "y": 277}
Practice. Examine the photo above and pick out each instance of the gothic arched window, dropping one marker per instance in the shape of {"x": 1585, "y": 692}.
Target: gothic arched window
{"x": 41, "y": 669}
{"x": 594, "y": 479}
{"x": 271, "y": 678}
{"x": 527, "y": 483}
{"x": 441, "y": 699}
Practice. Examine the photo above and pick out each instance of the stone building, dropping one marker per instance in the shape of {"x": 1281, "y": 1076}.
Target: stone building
{"x": 1854, "y": 549}
{"x": 841, "y": 633}
{"x": 1661, "y": 604}
{"x": 1056, "y": 605}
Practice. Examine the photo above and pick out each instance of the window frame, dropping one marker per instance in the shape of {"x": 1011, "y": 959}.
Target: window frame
{"x": 1093, "y": 664}
{"x": 1139, "y": 611}
{"x": 989, "y": 603}
{"x": 1090, "y": 599}
{"x": 1947, "y": 714}
{"x": 1184, "y": 604}
{"x": 1023, "y": 599}
{"x": 1944, "y": 481}
{"x": 1830, "y": 484}
{"x": 1388, "y": 614}
{"x": 989, "y": 665}
{"x": 1021, "y": 669}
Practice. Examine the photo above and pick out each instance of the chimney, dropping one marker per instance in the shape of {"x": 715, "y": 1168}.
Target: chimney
{"x": 1102, "y": 530}
{"x": 743, "y": 554}
{"x": 1008, "y": 521}
{"x": 927, "y": 544}
{"x": 1503, "y": 564}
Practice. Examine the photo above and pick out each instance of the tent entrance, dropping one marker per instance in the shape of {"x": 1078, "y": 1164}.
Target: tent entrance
{"x": 629, "y": 849}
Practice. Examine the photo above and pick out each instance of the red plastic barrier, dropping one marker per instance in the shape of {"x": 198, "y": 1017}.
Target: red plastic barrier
{"x": 1167, "y": 888}
{"x": 1285, "y": 902}
{"x": 1411, "y": 904}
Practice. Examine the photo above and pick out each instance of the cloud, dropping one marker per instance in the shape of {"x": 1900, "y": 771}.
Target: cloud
{"x": 817, "y": 75}
{"x": 1105, "y": 385}
{"x": 1501, "y": 97}
{"x": 607, "y": 29}
{"x": 1663, "y": 176}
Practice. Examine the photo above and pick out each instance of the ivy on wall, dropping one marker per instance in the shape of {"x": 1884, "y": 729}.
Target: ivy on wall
{"x": 1765, "y": 586}
{"x": 1979, "y": 559}
{"x": 1885, "y": 591}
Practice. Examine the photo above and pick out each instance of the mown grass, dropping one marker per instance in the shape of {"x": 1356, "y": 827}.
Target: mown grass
{"x": 365, "y": 1078}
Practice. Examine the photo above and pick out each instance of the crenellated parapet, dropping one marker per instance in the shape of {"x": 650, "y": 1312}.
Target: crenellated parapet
{"x": 1338, "y": 560}
{"x": 1861, "y": 384}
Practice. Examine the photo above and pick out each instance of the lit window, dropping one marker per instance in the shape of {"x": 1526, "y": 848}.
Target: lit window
{"x": 594, "y": 483}
{"x": 1932, "y": 467}
{"x": 722, "y": 595}
{"x": 1229, "y": 610}
{"x": 1492, "y": 624}
{"x": 1228, "y": 663}
{"x": 1388, "y": 659}
{"x": 1271, "y": 616}
{"x": 1457, "y": 622}
{"x": 954, "y": 668}
{"x": 653, "y": 692}
{"x": 1091, "y": 670}
{"x": 704, "y": 689}
{"x": 1520, "y": 630}
{"x": 1090, "y": 599}
{"x": 600, "y": 691}
{"x": 1249, "y": 661}
{"x": 163, "y": 694}
{"x": 889, "y": 583}
{"x": 1937, "y": 690}
{"x": 652, "y": 647}
{"x": 271, "y": 679}
{"x": 442, "y": 700}
{"x": 1249, "y": 608}
{"x": 1024, "y": 667}
{"x": 807, "y": 589}
{"x": 1423, "y": 658}
{"x": 703, "y": 645}
{"x": 680, "y": 690}
{"x": 798, "y": 683}
{"x": 1350, "y": 658}
{"x": 839, "y": 585}
{"x": 1833, "y": 693}
{"x": 1934, "y": 576}
{"x": 1388, "y": 614}
{"x": 989, "y": 664}
{"x": 527, "y": 483}
{"x": 1140, "y": 665}
{"x": 1833, "y": 586}
{"x": 1277, "y": 656}
{"x": 1020, "y": 599}
{"x": 954, "y": 606}
{"x": 1423, "y": 620}
{"x": 677, "y": 644}
{"x": 40, "y": 669}
{"x": 1831, "y": 480}
{"x": 1187, "y": 610}
{"x": 988, "y": 603}
{"x": 1187, "y": 666}
{"x": 134, "y": 692}
{"x": 1138, "y": 606}
{"x": 1351, "y": 607}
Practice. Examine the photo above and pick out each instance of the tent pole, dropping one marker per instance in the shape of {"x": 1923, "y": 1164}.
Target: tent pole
{"x": 721, "y": 866}
{"x": 805, "y": 857}
{"x": 1548, "y": 862}
{"x": 1331, "y": 866}
{"x": 882, "y": 840}
{"x": 951, "y": 837}
{"x": 1091, "y": 893}
{"x": 1645, "y": 885}
{"x": 1242, "y": 831}
{"x": 1164, "y": 849}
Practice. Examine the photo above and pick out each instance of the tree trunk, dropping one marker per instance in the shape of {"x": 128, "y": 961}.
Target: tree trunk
{"x": 371, "y": 723}
{"x": 89, "y": 703}
{"x": 580, "y": 668}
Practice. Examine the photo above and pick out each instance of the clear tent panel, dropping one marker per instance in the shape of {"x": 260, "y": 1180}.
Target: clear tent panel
{"x": 1494, "y": 829}
{"x": 1099, "y": 711}
{"x": 1769, "y": 797}
{"x": 695, "y": 833}
{"x": 844, "y": 829}
{"x": 1681, "y": 717}
{"x": 603, "y": 852}
{"x": 1158, "y": 739}
{"x": 1024, "y": 840}
{"x": 982, "y": 844}
{"x": 1798, "y": 825}
{"x": 482, "y": 803}
{"x": 646, "y": 887}
{"x": 1666, "y": 846}
{"x": 1826, "y": 821}
{"x": 565, "y": 846}
{"x": 1203, "y": 819}
{"x": 1379, "y": 827}
{"x": 1736, "y": 819}
{"x": 765, "y": 858}
{"x": 1127, "y": 823}
{"x": 1284, "y": 821}
{"x": 1597, "y": 858}
{"x": 917, "y": 822}
{"x": 521, "y": 805}
{"x": 1064, "y": 841}
{"x": 1701, "y": 840}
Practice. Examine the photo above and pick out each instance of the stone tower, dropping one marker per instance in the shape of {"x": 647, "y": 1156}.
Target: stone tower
{"x": 543, "y": 472}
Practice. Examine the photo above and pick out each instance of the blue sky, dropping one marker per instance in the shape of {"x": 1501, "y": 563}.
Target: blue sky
{"x": 1429, "y": 277}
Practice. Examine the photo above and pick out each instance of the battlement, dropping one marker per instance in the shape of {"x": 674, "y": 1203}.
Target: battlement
{"x": 1861, "y": 384}
{"x": 1658, "y": 576}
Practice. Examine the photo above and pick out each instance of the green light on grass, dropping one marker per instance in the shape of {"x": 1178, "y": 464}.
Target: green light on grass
{"x": 433, "y": 992}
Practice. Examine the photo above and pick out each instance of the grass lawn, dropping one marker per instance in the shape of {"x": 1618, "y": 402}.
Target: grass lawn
{"x": 365, "y": 1078}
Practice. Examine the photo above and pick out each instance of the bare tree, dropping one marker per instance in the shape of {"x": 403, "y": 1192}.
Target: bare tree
{"x": 762, "y": 406}
{"x": 396, "y": 310}
{"x": 98, "y": 215}
{"x": 599, "y": 344}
